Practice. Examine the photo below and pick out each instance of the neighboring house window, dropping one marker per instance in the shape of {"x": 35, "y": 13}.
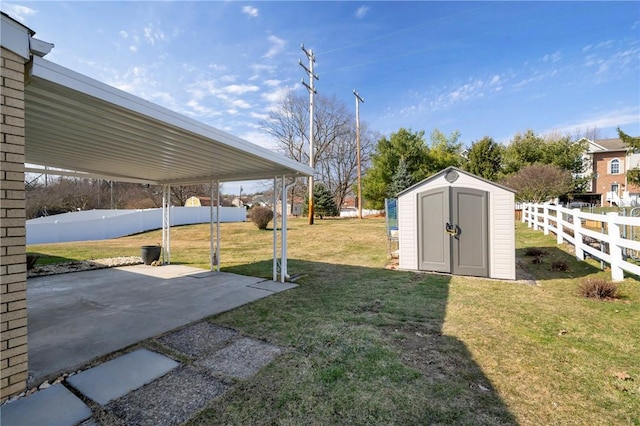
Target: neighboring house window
{"x": 614, "y": 167}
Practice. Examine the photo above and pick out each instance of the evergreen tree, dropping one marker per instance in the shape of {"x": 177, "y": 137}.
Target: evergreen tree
{"x": 323, "y": 202}
{"x": 400, "y": 180}
{"x": 633, "y": 175}
{"x": 385, "y": 160}
{"x": 484, "y": 158}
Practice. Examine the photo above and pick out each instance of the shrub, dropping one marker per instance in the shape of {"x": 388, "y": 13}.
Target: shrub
{"x": 31, "y": 260}
{"x": 261, "y": 216}
{"x": 599, "y": 288}
{"x": 534, "y": 251}
{"x": 559, "y": 266}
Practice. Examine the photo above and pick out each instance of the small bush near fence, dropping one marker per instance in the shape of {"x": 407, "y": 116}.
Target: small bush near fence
{"x": 559, "y": 266}
{"x": 261, "y": 216}
{"x": 534, "y": 251}
{"x": 599, "y": 288}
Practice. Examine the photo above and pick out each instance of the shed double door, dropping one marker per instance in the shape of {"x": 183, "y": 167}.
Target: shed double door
{"x": 453, "y": 235}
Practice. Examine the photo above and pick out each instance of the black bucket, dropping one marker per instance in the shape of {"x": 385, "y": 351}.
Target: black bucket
{"x": 150, "y": 254}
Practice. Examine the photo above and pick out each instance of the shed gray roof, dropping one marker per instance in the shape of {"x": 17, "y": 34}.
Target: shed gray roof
{"x": 76, "y": 123}
{"x": 447, "y": 170}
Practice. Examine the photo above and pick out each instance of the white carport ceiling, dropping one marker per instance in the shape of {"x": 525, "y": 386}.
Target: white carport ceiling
{"x": 76, "y": 123}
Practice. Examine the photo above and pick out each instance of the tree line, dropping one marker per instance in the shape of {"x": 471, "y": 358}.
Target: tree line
{"x": 538, "y": 167}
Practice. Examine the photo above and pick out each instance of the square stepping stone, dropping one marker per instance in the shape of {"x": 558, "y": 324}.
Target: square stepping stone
{"x": 198, "y": 339}
{"x": 241, "y": 359}
{"x": 55, "y": 405}
{"x": 114, "y": 379}
{"x": 170, "y": 400}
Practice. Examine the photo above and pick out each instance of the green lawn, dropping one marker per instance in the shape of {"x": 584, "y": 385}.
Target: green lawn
{"x": 367, "y": 345}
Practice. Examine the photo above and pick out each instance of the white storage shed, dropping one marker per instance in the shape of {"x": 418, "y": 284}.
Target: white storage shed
{"x": 458, "y": 223}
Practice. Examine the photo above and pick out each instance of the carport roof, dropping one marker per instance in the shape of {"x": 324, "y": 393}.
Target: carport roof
{"x": 76, "y": 123}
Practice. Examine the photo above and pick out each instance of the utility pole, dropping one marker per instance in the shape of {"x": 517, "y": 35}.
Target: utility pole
{"x": 312, "y": 91}
{"x": 358, "y": 100}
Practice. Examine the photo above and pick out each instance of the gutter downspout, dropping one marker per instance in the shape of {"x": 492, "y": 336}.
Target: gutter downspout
{"x": 284, "y": 275}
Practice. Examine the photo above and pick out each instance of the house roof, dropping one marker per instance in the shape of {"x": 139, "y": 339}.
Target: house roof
{"x": 614, "y": 144}
{"x": 79, "y": 124}
{"x": 447, "y": 170}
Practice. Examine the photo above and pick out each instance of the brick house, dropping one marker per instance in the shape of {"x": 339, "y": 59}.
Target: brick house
{"x": 609, "y": 160}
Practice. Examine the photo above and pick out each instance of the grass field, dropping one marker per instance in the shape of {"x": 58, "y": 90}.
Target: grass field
{"x": 367, "y": 345}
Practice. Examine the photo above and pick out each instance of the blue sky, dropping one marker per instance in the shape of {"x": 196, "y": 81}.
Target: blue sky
{"x": 482, "y": 68}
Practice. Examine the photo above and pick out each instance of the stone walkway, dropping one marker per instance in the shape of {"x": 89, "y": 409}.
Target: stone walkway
{"x": 164, "y": 382}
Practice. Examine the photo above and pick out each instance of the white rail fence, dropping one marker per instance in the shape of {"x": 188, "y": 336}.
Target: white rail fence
{"x": 105, "y": 224}
{"x": 577, "y": 228}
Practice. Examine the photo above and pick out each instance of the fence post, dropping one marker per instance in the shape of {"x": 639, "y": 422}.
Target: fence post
{"x": 577, "y": 234}
{"x": 524, "y": 213}
{"x": 559, "y": 227}
{"x": 545, "y": 218}
{"x": 536, "y": 222}
{"x": 615, "y": 252}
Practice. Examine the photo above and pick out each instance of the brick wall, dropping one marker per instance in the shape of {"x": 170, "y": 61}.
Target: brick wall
{"x": 13, "y": 275}
{"x": 605, "y": 180}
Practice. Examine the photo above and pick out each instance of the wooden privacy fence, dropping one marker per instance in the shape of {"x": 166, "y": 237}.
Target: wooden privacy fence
{"x": 607, "y": 237}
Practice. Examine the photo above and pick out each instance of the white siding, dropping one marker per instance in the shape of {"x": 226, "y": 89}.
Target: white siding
{"x": 501, "y": 224}
{"x": 502, "y": 262}
{"x": 408, "y": 232}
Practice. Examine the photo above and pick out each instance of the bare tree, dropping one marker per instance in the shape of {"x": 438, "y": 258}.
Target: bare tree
{"x": 591, "y": 133}
{"x": 334, "y": 140}
{"x": 339, "y": 168}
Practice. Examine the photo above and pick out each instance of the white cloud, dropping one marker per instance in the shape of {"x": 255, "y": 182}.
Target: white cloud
{"x": 250, "y": 11}
{"x": 277, "y": 45}
{"x": 152, "y": 34}
{"x": 605, "y": 44}
{"x": 258, "y": 115}
{"x": 217, "y": 67}
{"x": 136, "y": 80}
{"x": 124, "y": 34}
{"x": 361, "y": 12}
{"x": 260, "y": 138}
{"x": 18, "y": 12}
{"x": 272, "y": 83}
{"x": 133, "y": 48}
{"x": 605, "y": 120}
{"x": 239, "y": 89}
{"x": 240, "y": 103}
{"x": 201, "y": 110}
{"x": 611, "y": 65}
{"x": 259, "y": 70}
{"x": 554, "y": 57}
{"x": 276, "y": 96}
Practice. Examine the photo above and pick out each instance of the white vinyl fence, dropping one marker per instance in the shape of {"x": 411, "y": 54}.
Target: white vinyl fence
{"x": 105, "y": 224}
{"x": 354, "y": 212}
{"x": 616, "y": 235}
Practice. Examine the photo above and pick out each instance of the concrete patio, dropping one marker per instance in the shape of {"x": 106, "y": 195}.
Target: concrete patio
{"x": 78, "y": 317}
